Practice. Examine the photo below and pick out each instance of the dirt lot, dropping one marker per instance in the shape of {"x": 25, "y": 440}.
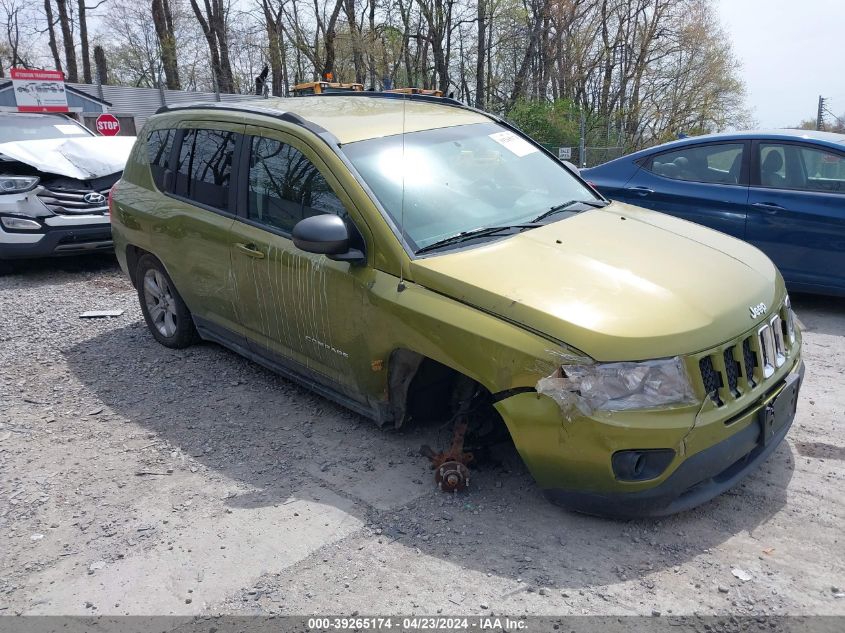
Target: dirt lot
{"x": 136, "y": 479}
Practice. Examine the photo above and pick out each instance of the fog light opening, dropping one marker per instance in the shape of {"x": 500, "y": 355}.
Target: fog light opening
{"x": 641, "y": 465}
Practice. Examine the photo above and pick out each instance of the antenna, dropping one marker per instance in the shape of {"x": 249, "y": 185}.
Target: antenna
{"x": 401, "y": 285}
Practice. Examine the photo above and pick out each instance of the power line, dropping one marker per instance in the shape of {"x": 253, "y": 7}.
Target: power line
{"x": 841, "y": 122}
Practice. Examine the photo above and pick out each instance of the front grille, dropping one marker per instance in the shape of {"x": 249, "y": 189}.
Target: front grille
{"x": 72, "y": 201}
{"x": 764, "y": 350}
{"x": 712, "y": 379}
{"x": 749, "y": 360}
{"x": 731, "y": 370}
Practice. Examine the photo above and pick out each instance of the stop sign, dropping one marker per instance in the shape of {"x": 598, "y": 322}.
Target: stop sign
{"x": 108, "y": 125}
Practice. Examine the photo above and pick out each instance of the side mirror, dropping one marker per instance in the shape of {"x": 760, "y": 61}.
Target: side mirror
{"x": 326, "y": 234}
{"x": 572, "y": 167}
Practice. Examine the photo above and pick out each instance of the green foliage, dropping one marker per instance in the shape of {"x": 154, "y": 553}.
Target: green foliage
{"x": 552, "y": 123}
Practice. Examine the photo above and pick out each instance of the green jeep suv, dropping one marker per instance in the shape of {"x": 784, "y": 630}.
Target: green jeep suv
{"x": 414, "y": 258}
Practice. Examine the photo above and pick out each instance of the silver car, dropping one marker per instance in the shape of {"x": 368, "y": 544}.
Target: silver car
{"x": 55, "y": 177}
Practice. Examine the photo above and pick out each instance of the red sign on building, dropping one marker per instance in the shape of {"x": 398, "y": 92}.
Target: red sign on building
{"x": 39, "y": 90}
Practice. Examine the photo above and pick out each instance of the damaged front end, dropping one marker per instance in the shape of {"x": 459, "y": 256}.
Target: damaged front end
{"x": 582, "y": 389}
{"x": 54, "y": 208}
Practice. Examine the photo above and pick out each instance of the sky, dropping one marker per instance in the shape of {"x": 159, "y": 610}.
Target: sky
{"x": 791, "y": 52}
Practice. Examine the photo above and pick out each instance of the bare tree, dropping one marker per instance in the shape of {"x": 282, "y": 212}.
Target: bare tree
{"x": 83, "y": 41}
{"x": 101, "y": 65}
{"x": 329, "y": 36}
{"x": 166, "y": 34}
{"x": 12, "y": 47}
{"x": 213, "y": 24}
{"x": 67, "y": 39}
{"x": 51, "y": 32}
{"x": 480, "y": 88}
{"x": 276, "y": 46}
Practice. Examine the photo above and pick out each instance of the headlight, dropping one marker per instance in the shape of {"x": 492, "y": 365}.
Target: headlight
{"x": 17, "y": 184}
{"x": 20, "y": 224}
{"x": 789, "y": 319}
{"x": 619, "y": 386}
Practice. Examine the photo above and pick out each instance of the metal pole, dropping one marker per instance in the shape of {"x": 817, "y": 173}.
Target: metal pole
{"x": 582, "y": 143}
{"x": 820, "y": 115}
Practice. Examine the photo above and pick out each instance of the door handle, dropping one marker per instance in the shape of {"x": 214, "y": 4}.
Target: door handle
{"x": 640, "y": 191}
{"x": 768, "y": 207}
{"x": 250, "y": 250}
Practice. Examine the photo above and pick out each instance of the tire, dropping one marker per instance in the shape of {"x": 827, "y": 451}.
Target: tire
{"x": 167, "y": 316}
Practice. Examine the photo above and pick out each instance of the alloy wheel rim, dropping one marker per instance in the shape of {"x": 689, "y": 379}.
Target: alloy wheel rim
{"x": 161, "y": 304}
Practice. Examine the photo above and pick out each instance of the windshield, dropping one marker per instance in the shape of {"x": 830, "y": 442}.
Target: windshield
{"x": 30, "y": 128}
{"x": 462, "y": 178}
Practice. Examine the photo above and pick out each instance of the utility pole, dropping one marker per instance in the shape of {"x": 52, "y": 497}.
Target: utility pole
{"x": 820, "y": 115}
{"x": 582, "y": 142}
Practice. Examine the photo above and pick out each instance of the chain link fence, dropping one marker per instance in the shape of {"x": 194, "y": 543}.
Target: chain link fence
{"x": 593, "y": 155}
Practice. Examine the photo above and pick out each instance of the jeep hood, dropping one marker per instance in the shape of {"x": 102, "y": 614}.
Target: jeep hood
{"x": 82, "y": 158}
{"x": 618, "y": 283}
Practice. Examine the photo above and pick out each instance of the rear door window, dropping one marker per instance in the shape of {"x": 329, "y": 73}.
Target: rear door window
{"x": 204, "y": 170}
{"x": 159, "y": 146}
{"x": 719, "y": 163}
{"x": 801, "y": 167}
{"x": 285, "y": 187}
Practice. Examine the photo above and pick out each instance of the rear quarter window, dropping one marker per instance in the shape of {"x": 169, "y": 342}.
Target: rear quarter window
{"x": 159, "y": 146}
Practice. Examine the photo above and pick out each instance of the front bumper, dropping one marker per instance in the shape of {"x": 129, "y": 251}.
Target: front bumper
{"x": 703, "y": 475}
{"x": 572, "y": 460}
{"x": 60, "y": 235}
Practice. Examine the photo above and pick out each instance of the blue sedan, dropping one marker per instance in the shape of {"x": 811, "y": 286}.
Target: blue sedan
{"x": 783, "y": 191}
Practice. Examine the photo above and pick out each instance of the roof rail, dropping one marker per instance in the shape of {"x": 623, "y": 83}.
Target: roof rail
{"x": 290, "y": 117}
{"x": 392, "y": 95}
{"x": 327, "y": 136}
{"x": 447, "y": 101}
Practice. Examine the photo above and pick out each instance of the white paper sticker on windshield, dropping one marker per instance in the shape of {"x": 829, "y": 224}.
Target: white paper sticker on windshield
{"x": 514, "y": 143}
{"x": 67, "y": 129}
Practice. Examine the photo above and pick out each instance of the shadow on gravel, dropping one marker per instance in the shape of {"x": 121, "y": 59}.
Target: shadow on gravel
{"x": 247, "y": 424}
{"x": 820, "y": 314}
{"x": 36, "y": 272}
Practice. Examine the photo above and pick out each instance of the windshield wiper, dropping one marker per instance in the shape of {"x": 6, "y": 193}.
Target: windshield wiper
{"x": 474, "y": 233}
{"x": 564, "y": 206}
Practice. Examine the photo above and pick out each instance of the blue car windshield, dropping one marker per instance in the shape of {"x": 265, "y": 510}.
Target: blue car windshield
{"x": 462, "y": 178}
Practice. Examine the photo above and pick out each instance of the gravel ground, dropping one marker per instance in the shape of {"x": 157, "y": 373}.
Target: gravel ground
{"x": 140, "y": 480}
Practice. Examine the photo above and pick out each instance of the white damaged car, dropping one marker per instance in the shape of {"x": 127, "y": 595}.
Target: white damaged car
{"x": 55, "y": 178}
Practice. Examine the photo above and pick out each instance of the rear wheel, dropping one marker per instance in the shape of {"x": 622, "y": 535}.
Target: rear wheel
{"x": 167, "y": 316}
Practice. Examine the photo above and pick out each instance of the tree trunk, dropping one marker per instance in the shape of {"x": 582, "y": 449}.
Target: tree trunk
{"x": 522, "y": 72}
{"x": 51, "y": 31}
{"x": 482, "y": 51}
{"x": 218, "y": 21}
{"x": 83, "y": 40}
{"x": 101, "y": 66}
{"x": 163, "y": 21}
{"x": 210, "y": 24}
{"x": 275, "y": 47}
{"x": 331, "y": 34}
{"x": 371, "y": 53}
{"x": 355, "y": 33}
{"x": 67, "y": 37}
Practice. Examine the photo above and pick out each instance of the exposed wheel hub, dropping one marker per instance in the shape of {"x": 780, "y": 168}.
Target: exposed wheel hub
{"x": 452, "y": 476}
